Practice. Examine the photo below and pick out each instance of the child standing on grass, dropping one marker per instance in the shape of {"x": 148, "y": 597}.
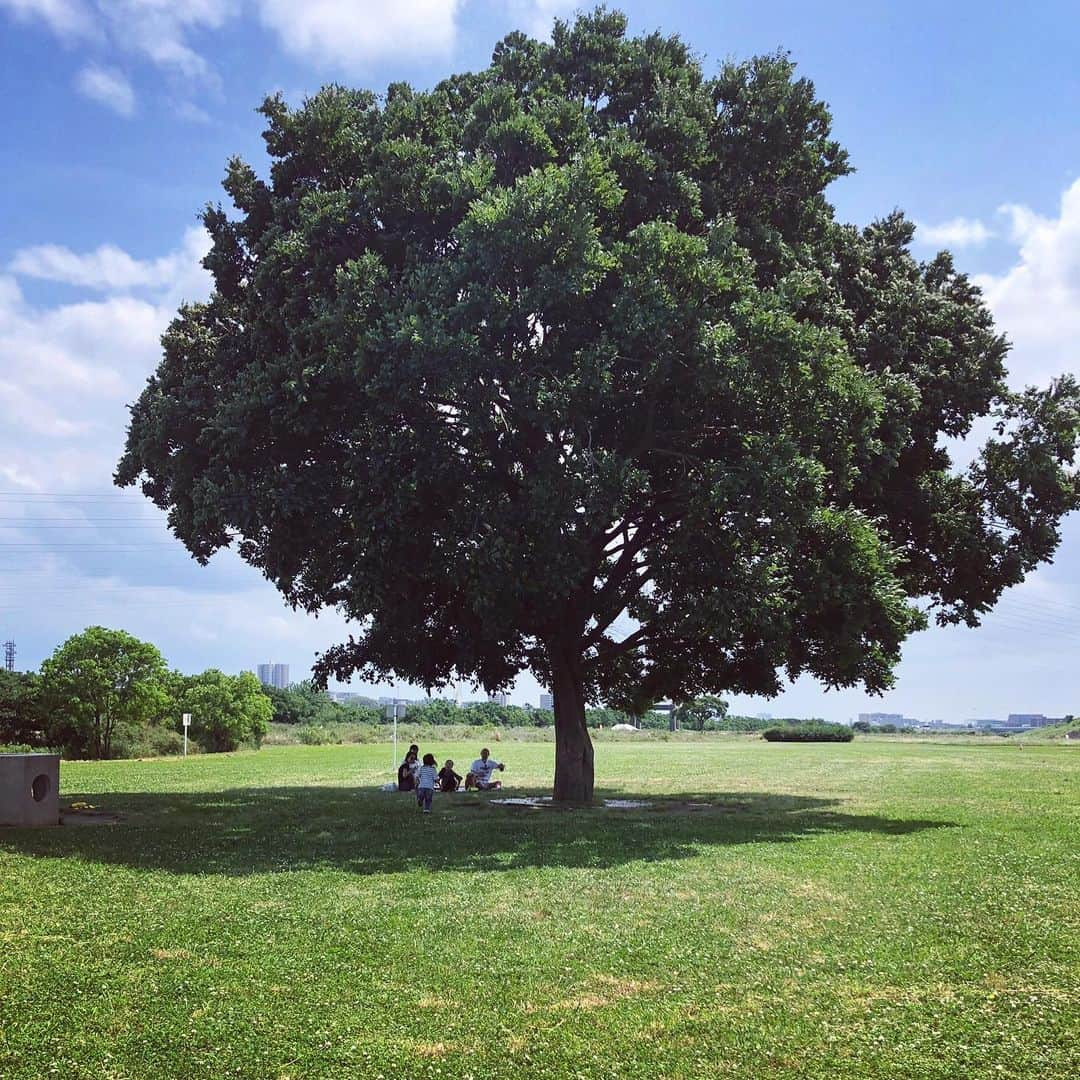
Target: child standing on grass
{"x": 425, "y": 783}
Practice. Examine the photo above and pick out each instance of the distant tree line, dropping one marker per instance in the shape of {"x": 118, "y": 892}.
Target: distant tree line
{"x": 302, "y": 703}
{"x": 864, "y": 727}
{"x": 106, "y": 694}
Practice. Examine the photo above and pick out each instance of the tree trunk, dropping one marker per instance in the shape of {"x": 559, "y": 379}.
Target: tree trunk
{"x": 573, "y": 747}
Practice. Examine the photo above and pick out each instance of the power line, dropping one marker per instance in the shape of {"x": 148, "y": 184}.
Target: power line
{"x": 62, "y": 520}
{"x": 33, "y": 527}
{"x": 1055, "y": 610}
{"x": 46, "y": 548}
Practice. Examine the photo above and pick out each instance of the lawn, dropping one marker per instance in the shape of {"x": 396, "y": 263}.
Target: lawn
{"x": 884, "y": 908}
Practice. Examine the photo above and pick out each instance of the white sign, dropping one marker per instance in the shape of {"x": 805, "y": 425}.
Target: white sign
{"x": 187, "y": 719}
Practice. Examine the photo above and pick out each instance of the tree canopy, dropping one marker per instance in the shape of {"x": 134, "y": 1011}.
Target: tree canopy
{"x": 100, "y": 681}
{"x": 304, "y": 703}
{"x": 226, "y": 710}
{"x": 567, "y": 364}
{"x": 21, "y": 716}
{"x": 699, "y": 712}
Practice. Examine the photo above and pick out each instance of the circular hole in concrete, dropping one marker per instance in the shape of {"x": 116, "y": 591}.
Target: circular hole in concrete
{"x": 40, "y": 787}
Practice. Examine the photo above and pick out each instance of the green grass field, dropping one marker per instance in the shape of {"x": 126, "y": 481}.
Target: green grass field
{"x": 876, "y": 909}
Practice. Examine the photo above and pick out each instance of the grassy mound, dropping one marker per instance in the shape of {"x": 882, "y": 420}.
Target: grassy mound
{"x": 1050, "y": 733}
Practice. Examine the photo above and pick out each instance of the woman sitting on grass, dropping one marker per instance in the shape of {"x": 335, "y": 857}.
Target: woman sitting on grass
{"x": 408, "y": 769}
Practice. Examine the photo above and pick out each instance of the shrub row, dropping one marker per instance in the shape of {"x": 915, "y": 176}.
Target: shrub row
{"x": 816, "y": 731}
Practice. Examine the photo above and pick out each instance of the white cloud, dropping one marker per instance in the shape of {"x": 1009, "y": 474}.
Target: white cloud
{"x": 191, "y": 112}
{"x": 109, "y": 268}
{"x": 156, "y": 29}
{"x": 1036, "y": 302}
{"x": 107, "y": 87}
{"x": 350, "y": 35}
{"x": 62, "y": 365}
{"x": 70, "y": 368}
{"x": 20, "y": 479}
{"x": 957, "y": 233}
{"x": 67, "y": 18}
{"x": 342, "y": 34}
{"x": 537, "y": 16}
{"x": 159, "y": 30}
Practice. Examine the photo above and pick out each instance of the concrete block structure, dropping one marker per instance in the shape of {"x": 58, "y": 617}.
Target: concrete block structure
{"x": 29, "y": 789}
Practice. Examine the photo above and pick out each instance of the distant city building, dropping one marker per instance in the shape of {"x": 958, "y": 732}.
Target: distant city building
{"x": 1032, "y": 720}
{"x": 276, "y": 675}
{"x": 547, "y": 701}
{"x": 879, "y": 718}
{"x": 764, "y": 716}
{"x": 498, "y": 699}
{"x": 348, "y": 697}
{"x": 1015, "y": 722}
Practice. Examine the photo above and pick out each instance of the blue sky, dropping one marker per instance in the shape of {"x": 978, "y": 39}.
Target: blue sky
{"x": 122, "y": 114}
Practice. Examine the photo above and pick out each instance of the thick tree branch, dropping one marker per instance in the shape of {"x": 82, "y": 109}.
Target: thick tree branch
{"x": 608, "y": 650}
{"x": 641, "y": 573}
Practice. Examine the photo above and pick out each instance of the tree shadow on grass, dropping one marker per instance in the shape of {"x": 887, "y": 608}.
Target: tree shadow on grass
{"x": 282, "y": 829}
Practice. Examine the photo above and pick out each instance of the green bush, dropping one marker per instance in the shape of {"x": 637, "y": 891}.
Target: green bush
{"x": 319, "y": 734}
{"x": 157, "y": 741}
{"x": 812, "y": 732}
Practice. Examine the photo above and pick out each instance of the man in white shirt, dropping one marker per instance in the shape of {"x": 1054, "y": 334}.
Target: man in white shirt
{"x": 480, "y": 773}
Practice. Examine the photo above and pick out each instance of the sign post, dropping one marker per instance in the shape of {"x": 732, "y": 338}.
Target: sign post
{"x": 393, "y": 712}
{"x": 187, "y": 724}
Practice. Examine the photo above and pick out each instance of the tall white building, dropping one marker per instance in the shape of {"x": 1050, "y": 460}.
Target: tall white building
{"x": 547, "y": 701}
{"x": 276, "y": 675}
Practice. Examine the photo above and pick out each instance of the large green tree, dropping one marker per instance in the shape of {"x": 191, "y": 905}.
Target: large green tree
{"x": 22, "y": 718}
{"x": 699, "y": 712}
{"x": 226, "y": 710}
{"x": 567, "y": 365}
{"x": 99, "y": 681}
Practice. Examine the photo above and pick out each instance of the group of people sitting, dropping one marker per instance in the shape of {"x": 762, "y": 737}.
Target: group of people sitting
{"x": 425, "y": 777}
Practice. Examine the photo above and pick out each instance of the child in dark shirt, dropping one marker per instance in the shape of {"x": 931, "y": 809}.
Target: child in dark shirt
{"x": 448, "y": 779}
